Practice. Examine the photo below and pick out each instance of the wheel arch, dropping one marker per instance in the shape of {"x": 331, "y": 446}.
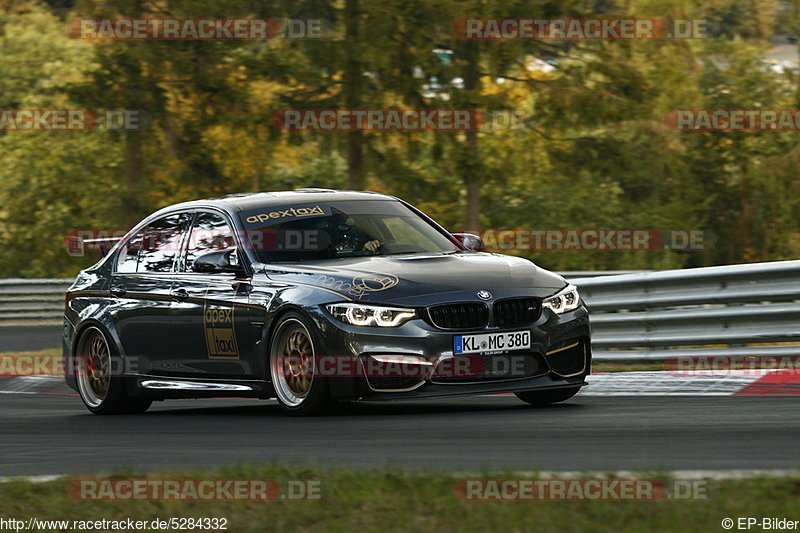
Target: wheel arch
{"x": 111, "y": 338}
{"x": 278, "y": 316}
{"x": 340, "y": 387}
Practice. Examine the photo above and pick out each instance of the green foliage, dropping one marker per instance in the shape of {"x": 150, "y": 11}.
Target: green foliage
{"x": 379, "y": 500}
{"x": 597, "y": 152}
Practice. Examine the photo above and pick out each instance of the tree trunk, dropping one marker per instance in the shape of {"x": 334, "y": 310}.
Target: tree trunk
{"x": 134, "y": 176}
{"x": 471, "y": 173}
{"x": 473, "y": 187}
{"x": 352, "y": 84}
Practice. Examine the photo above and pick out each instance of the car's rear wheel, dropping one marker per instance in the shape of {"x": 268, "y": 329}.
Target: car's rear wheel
{"x": 293, "y": 370}
{"x": 101, "y": 391}
{"x": 546, "y": 397}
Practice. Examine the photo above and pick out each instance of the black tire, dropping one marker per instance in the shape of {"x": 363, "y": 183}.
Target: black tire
{"x": 101, "y": 392}
{"x": 292, "y": 366}
{"x": 546, "y": 397}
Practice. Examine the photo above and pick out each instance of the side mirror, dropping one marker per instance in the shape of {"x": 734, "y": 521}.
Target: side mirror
{"x": 470, "y": 241}
{"x": 218, "y": 261}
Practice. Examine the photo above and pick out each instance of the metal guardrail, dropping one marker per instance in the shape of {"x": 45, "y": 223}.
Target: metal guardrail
{"x": 572, "y": 274}
{"x": 35, "y": 300}
{"x": 42, "y": 300}
{"x": 637, "y": 315}
{"x": 725, "y": 310}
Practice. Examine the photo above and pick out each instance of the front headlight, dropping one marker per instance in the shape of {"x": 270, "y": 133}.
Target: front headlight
{"x": 566, "y": 300}
{"x": 370, "y": 315}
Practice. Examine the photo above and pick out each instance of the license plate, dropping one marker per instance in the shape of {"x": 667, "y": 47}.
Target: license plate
{"x": 491, "y": 342}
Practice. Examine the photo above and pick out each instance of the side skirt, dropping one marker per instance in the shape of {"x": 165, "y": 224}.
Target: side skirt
{"x": 162, "y": 388}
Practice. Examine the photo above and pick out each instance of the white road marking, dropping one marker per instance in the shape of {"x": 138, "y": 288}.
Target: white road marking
{"x": 676, "y": 474}
{"x": 669, "y": 383}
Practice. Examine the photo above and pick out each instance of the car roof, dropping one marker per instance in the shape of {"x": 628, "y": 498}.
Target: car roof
{"x": 246, "y": 201}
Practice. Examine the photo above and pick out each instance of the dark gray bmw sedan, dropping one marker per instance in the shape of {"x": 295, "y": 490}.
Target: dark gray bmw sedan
{"x": 314, "y": 297}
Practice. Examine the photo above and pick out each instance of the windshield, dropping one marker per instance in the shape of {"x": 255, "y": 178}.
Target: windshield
{"x": 310, "y": 232}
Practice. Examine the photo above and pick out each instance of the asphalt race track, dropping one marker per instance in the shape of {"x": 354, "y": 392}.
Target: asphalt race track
{"x": 53, "y": 434}
{"x": 25, "y": 338}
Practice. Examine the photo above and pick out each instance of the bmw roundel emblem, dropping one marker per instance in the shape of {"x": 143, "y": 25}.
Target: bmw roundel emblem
{"x": 484, "y": 295}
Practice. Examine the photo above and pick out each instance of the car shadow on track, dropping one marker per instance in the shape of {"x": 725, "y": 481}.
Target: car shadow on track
{"x": 364, "y": 409}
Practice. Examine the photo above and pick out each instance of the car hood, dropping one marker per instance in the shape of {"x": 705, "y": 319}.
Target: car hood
{"x": 406, "y": 278}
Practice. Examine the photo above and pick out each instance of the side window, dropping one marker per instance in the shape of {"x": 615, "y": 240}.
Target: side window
{"x": 211, "y": 231}
{"x": 156, "y": 248}
{"x": 128, "y": 258}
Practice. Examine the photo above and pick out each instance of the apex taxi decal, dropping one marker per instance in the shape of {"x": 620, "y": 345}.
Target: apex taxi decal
{"x": 360, "y": 285}
{"x": 220, "y": 333}
{"x": 283, "y": 213}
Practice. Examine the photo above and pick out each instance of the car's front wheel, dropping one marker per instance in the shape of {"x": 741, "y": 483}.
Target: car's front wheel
{"x": 546, "y": 397}
{"x": 293, "y": 369}
{"x": 102, "y": 392}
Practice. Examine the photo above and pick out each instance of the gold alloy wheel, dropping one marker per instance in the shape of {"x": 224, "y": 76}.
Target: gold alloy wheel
{"x": 292, "y": 363}
{"x": 298, "y": 363}
{"x": 94, "y": 368}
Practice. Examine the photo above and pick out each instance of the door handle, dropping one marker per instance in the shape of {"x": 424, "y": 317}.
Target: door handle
{"x": 118, "y": 290}
{"x": 243, "y": 286}
{"x": 180, "y": 295}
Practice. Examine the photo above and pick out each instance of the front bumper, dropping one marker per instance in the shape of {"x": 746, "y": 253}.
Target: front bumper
{"x": 418, "y": 359}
